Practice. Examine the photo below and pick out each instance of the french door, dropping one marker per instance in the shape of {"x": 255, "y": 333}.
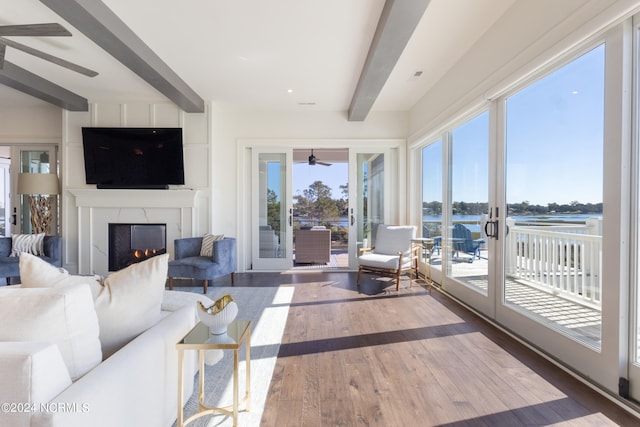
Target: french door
{"x": 526, "y": 179}
{"x": 369, "y": 201}
{"x": 272, "y": 216}
{"x": 464, "y": 247}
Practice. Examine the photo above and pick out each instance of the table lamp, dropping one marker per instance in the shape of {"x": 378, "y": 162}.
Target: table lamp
{"x": 39, "y": 187}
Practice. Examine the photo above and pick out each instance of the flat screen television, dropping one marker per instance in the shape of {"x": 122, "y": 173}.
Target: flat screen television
{"x": 143, "y": 158}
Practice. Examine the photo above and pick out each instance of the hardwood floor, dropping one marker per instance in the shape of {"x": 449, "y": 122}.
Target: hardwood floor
{"x": 384, "y": 358}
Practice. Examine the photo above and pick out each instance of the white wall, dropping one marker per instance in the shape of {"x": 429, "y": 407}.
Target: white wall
{"x": 79, "y": 236}
{"x": 41, "y": 123}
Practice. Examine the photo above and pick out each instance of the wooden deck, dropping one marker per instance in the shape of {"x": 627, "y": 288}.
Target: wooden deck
{"x": 377, "y": 357}
{"x": 577, "y": 320}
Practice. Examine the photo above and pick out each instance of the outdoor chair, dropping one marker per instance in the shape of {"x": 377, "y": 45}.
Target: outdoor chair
{"x": 437, "y": 240}
{"x": 463, "y": 242}
{"x": 392, "y": 255}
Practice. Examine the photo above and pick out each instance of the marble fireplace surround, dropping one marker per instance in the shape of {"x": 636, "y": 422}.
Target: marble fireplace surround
{"x": 98, "y": 208}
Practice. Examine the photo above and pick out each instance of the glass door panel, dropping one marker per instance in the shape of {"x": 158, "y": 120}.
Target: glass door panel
{"x": 554, "y": 197}
{"x": 272, "y": 216}
{"x": 368, "y": 207}
{"x": 432, "y": 208}
{"x": 41, "y": 159}
{"x": 633, "y": 385}
{"x": 465, "y": 244}
{"x": 5, "y": 199}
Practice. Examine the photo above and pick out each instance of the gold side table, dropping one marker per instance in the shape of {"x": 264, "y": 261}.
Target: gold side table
{"x": 425, "y": 245}
{"x": 200, "y": 339}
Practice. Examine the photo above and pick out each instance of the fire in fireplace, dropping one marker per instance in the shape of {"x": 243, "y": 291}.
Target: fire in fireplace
{"x": 132, "y": 243}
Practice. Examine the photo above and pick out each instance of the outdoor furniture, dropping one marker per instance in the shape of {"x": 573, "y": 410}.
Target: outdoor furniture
{"x": 463, "y": 242}
{"x": 190, "y": 264}
{"x": 313, "y": 246}
{"x": 392, "y": 255}
{"x": 436, "y": 239}
{"x": 269, "y": 242}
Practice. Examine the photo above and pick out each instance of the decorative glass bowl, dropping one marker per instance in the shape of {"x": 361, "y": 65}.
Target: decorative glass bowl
{"x": 219, "y": 315}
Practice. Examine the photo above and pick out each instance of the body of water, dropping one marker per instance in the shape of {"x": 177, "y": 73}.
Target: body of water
{"x": 472, "y": 222}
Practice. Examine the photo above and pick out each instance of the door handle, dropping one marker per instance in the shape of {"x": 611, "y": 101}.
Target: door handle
{"x": 353, "y": 220}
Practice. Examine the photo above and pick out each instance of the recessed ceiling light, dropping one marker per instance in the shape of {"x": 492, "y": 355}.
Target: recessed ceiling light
{"x": 289, "y": 90}
{"x": 306, "y": 103}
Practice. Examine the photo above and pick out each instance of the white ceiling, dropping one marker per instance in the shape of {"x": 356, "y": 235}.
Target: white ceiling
{"x": 247, "y": 54}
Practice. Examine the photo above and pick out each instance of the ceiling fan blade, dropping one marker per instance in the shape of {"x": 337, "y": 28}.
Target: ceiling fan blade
{"x": 43, "y": 55}
{"x": 322, "y": 163}
{"x": 51, "y": 29}
{"x": 2, "y": 50}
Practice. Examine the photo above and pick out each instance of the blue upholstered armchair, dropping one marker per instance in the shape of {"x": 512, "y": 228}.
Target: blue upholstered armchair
{"x": 10, "y": 266}
{"x": 189, "y": 264}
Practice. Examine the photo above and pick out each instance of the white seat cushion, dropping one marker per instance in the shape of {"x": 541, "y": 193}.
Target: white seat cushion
{"x": 64, "y": 316}
{"x": 383, "y": 261}
{"x": 379, "y": 261}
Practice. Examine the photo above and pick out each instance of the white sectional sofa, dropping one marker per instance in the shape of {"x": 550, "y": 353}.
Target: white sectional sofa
{"x": 52, "y": 372}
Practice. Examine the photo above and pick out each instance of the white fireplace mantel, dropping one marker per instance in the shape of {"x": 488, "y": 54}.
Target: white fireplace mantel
{"x": 94, "y": 198}
{"x": 97, "y": 208}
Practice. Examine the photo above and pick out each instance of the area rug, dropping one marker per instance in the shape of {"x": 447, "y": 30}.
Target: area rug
{"x": 268, "y": 308}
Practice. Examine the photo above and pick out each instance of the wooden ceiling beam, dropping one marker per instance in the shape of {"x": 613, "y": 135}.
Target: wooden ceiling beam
{"x": 397, "y": 23}
{"x": 95, "y": 20}
{"x": 25, "y": 81}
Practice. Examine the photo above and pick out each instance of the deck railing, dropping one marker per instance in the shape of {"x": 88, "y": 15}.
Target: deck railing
{"x": 561, "y": 259}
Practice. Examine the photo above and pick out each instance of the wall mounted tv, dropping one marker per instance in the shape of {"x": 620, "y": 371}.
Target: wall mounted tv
{"x": 134, "y": 158}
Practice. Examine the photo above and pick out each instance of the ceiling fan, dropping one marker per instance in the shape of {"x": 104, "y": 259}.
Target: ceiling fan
{"x": 314, "y": 161}
{"x": 38, "y": 30}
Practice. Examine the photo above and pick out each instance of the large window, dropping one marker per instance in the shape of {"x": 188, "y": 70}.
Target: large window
{"x": 554, "y": 194}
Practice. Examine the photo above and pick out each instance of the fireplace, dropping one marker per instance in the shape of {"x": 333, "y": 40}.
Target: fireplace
{"x": 132, "y": 243}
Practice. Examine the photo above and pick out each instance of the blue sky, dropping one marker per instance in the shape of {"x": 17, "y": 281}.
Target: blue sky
{"x": 554, "y": 147}
{"x": 334, "y": 176}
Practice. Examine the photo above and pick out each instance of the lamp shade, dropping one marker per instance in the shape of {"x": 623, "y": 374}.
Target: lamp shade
{"x": 38, "y": 183}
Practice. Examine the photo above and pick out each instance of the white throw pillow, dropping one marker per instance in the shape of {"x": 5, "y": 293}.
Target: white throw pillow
{"x": 29, "y": 243}
{"x": 127, "y": 304}
{"x": 64, "y": 316}
{"x": 37, "y": 273}
{"x": 207, "y": 243}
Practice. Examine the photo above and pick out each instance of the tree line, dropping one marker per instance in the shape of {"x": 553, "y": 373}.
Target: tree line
{"x": 522, "y": 208}
{"x": 315, "y": 205}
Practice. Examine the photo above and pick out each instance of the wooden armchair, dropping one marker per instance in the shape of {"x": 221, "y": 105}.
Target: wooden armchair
{"x": 392, "y": 255}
